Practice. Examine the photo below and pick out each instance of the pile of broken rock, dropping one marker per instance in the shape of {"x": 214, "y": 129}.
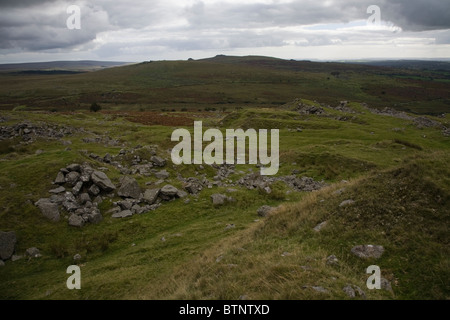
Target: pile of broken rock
{"x": 80, "y": 189}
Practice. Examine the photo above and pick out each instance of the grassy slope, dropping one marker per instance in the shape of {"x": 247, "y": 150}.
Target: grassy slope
{"x": 401, "y": 196}
{"x": 228, "y": 82}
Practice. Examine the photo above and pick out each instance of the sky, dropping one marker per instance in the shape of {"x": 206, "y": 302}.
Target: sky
{"x": 134, "y": 31}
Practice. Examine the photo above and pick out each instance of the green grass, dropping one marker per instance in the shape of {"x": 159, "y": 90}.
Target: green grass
{"x": 398, "y": 178}
{"x": 229, "y": 81}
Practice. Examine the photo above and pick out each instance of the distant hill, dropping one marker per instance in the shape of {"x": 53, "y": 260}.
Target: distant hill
{"x": 411, "y": 64}
{"x": 221, "y": 82}
{"x": 59, "y": 66}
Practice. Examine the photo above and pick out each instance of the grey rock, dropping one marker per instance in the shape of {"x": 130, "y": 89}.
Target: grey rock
{"x": 353, "y": 291}
{"x": 319, "y": 289}
{"x": 60, "y": 189}
{"x": 332, "y": 260}
{"x": 137, "y": 209}
{"x": 8, "y": 242}
{"x": 346, "y": 203}
{"x": 48, "y": 209}
{"x": 70, "y": 206}
{"x": 151, "y": 195}
{"x": 95, "y": 217}
{"x": 69, "y": 196}
{"x": 218, "y": 199}
{"x": 152, "y": 207}
{"x": 86, "y": 170}
{"x": 266, "y": 190}
{"x": 85, "y": 178}
{"x": 76, "y": 221}
{"x": 129, "y": 188}
{"x": 360, "y": 292}
{"x": 193, "y": 185}
{"x": 80, "y": 212}
{"x": 424, "y": 122}
{"x": 98, "y": 200}
{"x": 77, "y": 258}
{"x": 125, "y": 204}
{"x": 169, "y": 191}
{"x": 182, "y": 194}
{"x": 72, "y": 177}
{"x": 163, "y": 174}
{"x": 107, "y": 158}
{"x": 368, "y": 251}
{"x": 320, "y": 226}
{"x": 264, "y": 211}
{"x": 122, "y": 214}
{"x": 60, "y": 178}
{"x": 2, "y": 264}
{"x": 158, "y": 161}
{"x": 230, "y": 226}
{"x": 102, "y": 181}
{"x": 385, "y": 285}
{"x": 84, "y": 197}
{"x": 16, "y": 257}
{"x": 74, "y": 167}
{"x": 349, "y": 291}
{"x": 33, "y": 252}
{"x": 94, "y": 190}
{"x": 309, "y": 109}
{"x": 57, "y": 198}
{"x": 77, "y": 188}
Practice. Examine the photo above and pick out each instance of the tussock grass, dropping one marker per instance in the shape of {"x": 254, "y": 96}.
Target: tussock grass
{"x": 401, "y": 202}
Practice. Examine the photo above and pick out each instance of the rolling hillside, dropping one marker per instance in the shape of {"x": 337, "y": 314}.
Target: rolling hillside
{"x": 349, "y": 177}
{"x": 225, "y": 82}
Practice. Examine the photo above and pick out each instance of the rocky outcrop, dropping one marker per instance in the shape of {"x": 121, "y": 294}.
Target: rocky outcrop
{"x": 168, "y": 192}
{"x": 254, "y": 181}
{"x": 101, "y": 180}
{"x": 424, "y": 122}
{"x": 368, "y": 251}
{"x": 264, "y": 211}
{"x": 303, "y": 108}
{"x": 8, "y": 242}
{"x": 391, "y": 113}
{"x": 49, "y": 209}
{"x": 220, "y": 199}
{"x": 193, "y": 185}
{"x": 29, "y": 132}
{"x": 353, "y": 291}
{"x": 129, "y": 188}
{"x": 151, "y": 195}
{"x": 77, "y": 184}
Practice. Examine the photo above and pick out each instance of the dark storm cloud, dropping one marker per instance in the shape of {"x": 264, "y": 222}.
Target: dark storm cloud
{"x": 411, "y": 15}
{"x": 418, "y": 15}
{"x": 42, "y": 26}
{"x": 184, "y": 25}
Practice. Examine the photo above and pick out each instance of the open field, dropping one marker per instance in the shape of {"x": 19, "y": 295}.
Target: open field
{"x": 227, "y": 83}
{"x": 393, "y": 167}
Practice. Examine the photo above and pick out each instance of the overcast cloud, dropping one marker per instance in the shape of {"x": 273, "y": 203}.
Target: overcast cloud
{"x": 167, "y": 29}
